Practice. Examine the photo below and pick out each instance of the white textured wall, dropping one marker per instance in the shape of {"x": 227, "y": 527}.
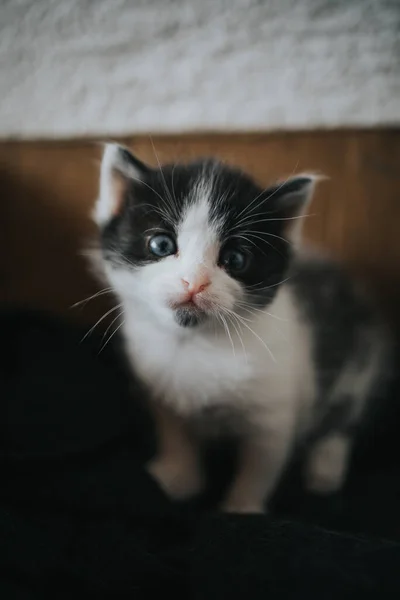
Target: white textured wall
{"x": 111, "y": 67}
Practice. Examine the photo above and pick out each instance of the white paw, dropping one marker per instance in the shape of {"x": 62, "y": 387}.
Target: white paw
{"x": 323, "y": 483}
{"x": 326, "y": 466}
{"x": 179, "y": 479}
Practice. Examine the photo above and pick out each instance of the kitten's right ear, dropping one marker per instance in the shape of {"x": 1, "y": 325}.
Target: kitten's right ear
{"x": 118, "y": 168}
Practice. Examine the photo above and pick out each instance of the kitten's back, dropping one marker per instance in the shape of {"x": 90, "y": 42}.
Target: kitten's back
{"x": 350, "y": 344}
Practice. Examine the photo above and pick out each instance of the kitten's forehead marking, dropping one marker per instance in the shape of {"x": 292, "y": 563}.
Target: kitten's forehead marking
{"x": 197, "y": 233}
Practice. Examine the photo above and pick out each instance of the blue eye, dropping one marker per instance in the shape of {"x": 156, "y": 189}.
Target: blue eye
{"x": 162, "y": 245}
{"x": 234, "y": 261}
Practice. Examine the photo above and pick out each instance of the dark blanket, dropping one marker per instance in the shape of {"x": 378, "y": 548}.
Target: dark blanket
{"x": 78, "y": 512}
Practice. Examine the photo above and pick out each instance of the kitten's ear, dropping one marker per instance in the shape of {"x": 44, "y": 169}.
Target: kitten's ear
{"x": 118, "y": 168}
{"x": 291, "y": 199}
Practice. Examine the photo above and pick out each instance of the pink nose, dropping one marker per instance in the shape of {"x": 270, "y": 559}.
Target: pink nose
{"x": 195, "y": 286}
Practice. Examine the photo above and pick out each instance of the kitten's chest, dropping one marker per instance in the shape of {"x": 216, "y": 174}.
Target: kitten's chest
{"x": 191, "y": 372}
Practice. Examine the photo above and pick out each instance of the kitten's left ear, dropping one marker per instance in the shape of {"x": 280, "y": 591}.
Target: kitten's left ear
{"x": 119, "y": 168}
{"x": 291, "y": 199}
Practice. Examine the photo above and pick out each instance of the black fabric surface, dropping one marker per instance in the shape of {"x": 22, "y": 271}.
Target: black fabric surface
{"x": 79, "y": 514}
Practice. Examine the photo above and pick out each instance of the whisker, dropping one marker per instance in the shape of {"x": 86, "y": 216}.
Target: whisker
{"x": 272, "y": 194}
{"x": 86, "y": 300}
{"x": 151, "y": 229}
{"x": 173, "y": 205}
{"x": 250, "y": 222}
{"x": 243, "y": 237}
{"x": 226, "y": 327}
{"x": 250, "y": 309}
{"x": 231, "y": 317}
{"x": 267, "y": 287}
{"x": 111, "y": 336}
{"x": 162, "y": 212}
{"x": 262, "y": 240}
{"x": 172, "y": 184}
{"x": 254, "y": 333}
{"x": 279, "y": 237}
{"x": 279, "y": 319}
{"x": 112, "y": 323}
{"x": 156, "y": 209}
{"x": 100, "y": 320}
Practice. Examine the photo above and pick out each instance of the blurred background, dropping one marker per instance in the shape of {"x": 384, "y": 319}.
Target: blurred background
{"x": 273, "y": 86}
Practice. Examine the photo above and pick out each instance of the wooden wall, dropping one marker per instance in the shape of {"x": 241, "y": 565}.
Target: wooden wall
{"x": 48, "y": 189}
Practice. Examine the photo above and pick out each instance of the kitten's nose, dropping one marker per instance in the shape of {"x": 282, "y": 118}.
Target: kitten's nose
{"x": 196, "y": 285}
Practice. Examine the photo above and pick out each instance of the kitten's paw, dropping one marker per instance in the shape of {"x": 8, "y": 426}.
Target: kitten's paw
{"x": 326, "y": 466}
{"x": 323, "y": 483}
{"x": 180, "y": 480}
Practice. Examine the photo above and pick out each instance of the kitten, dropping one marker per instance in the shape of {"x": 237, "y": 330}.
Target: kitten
{"x": 225, "y": 317}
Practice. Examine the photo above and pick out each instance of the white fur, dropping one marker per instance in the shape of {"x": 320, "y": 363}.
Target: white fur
{"x": 327, "y": 464}
{"x": 111, "y": 160}
{"x": 193, "y": 368}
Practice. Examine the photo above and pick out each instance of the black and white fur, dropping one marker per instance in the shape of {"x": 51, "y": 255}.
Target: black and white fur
{"x": 286, "y": 350}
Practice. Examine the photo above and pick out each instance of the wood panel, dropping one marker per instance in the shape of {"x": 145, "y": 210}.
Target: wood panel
{"x": 48, "y": 190}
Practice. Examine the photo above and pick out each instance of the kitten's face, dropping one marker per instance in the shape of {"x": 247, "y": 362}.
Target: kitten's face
{"x": 193, "y": 243}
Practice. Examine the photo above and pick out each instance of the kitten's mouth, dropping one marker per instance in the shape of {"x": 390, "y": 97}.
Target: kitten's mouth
{"x": 189, "y": 315}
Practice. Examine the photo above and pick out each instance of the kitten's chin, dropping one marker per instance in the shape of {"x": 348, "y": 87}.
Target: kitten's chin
{"x": 189, "y": 316}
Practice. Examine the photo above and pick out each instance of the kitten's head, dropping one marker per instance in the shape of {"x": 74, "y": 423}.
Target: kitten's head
{"x": 195, "y": 242}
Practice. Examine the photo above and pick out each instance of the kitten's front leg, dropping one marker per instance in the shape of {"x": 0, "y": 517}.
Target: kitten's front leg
{"x": 261, "y": 462}
{"x": 176, "y": 466}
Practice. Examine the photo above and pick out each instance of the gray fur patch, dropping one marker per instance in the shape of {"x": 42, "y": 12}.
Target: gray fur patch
{"x": 342, "y": 324}
{"x": 336, "y": 417}
{"x": 187, "y": 317}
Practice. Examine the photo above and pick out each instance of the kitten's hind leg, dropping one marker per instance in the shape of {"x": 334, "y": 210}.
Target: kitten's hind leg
{"x": 176, "y": 466}
{"x": 326, "y": 463}
{"x": 261, "y": 463}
